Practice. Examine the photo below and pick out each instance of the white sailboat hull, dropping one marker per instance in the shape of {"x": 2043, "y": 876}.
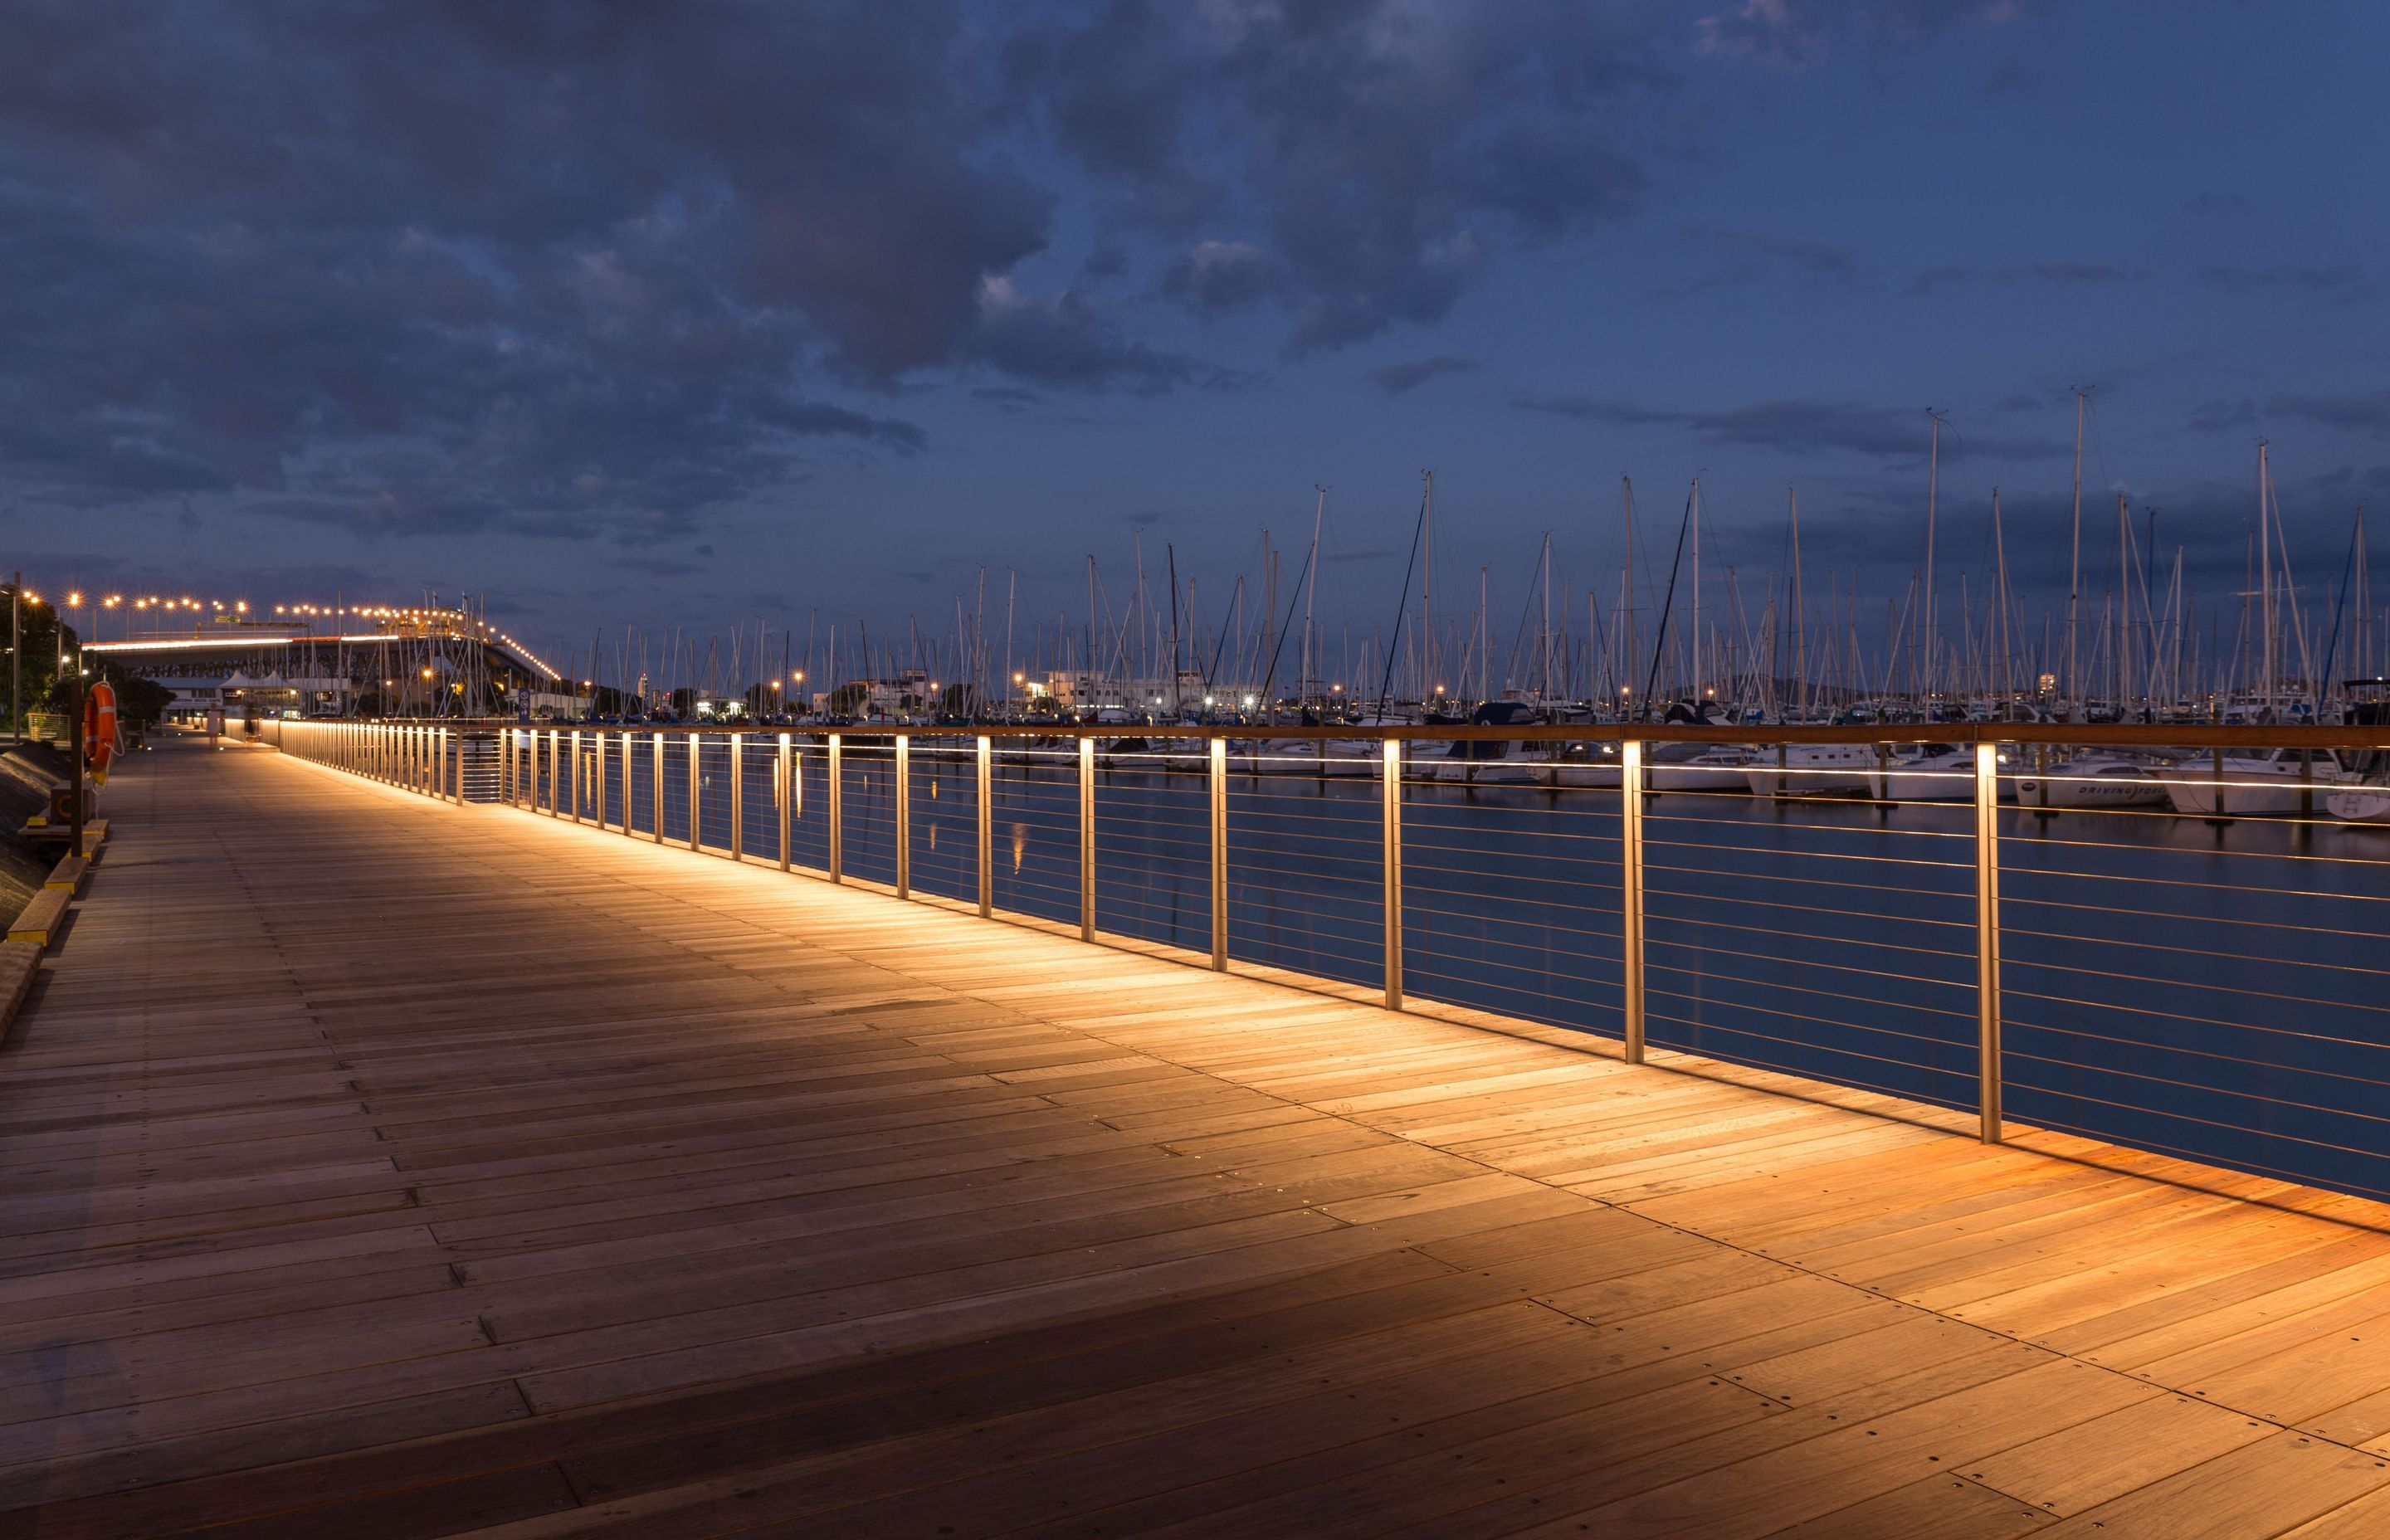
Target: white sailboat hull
{"x": 2092, "y": 783}
{"x": 2247, "y": 789}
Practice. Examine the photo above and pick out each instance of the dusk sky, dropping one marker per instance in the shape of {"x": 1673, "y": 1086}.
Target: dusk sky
{"x": 689, "y": 315}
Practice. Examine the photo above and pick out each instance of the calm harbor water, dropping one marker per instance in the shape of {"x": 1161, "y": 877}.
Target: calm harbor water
{"x": 2168, "y": 982}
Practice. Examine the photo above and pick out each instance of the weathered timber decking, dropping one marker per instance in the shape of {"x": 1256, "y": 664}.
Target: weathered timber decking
{"x": 370, "y": 1167}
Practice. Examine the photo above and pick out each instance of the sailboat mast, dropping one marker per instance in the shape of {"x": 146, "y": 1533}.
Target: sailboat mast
{"x": 2000, "y": 555}
{"x": 1427, "y": 590}
{"x": 2265, "y": 581}
{"x": 2075, "y": 572}
{"x": 1932, "y": 496}
{"x": 1311, "y": 593}
{"x": 1693, "y": 514}
{"x": 1800, "y": 635}
{"x": 1628, "y": 652}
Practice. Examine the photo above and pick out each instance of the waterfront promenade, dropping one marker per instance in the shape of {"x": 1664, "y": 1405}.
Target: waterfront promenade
{"x": 372, "y": 1166}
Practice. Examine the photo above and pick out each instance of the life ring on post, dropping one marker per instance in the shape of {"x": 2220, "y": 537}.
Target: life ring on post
{"x": 99, "y": 730}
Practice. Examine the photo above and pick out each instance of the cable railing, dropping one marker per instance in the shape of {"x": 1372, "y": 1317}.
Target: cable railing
{"x": 2162, "y": 937}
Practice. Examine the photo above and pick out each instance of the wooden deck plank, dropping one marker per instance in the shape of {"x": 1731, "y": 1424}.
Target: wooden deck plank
{"x": 380, "y": 1167}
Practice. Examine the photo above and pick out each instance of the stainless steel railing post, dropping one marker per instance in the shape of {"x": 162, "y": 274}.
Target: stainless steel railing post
{"x": 786, "y": 780}
{"x": 1087, "y": 839}
{"x": 1630, "y": 893}
{"x": 572, "y": 776}
{"x": 1390, "y": 773}
{"x": 837, "y": 811}
{"x": 904, "y": 816}
{"x": 656, "y": 775}
{"x": 695, "y": 765}
{"x": 1987, "y": 938}
{"x": 738, "y": 798}
{"x": 1216, "y": 759}
{"x": 987, "y": 828}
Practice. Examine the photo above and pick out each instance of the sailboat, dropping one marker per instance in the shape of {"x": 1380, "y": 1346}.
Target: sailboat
{"x": 2094, "y": 780}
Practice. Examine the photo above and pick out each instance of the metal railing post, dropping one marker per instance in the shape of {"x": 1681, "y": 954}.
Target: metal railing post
{"x": 572, "y": 777}
{"x": 987, "y": 828}
{"x": 784, "y": 780}
{"x": 695, "y": 764}
{"x": 1391, "y": 882}
{"x": 904, "y": 816}
{"x": 1630, "y": 892}
{"x": 555, "y": 772}
{"x": 1216, "y": 758}
{"x": 1987, "y": 938}
{"x": 738, "y": 797}
{"x": 837, "y": 810}
{"x": 656, "y": 775}
{"x": 1087, "y": 839}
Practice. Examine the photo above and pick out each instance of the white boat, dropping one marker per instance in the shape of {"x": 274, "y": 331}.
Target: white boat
{"x": 1496, "y": 761}
{"x": 1588, "y": 764}
{"x": 1940, "y": 773}
{"x": 2368, "y": 803}
{"x": 2094, "y": 780}
{"x": 2274, "y": 783}
{"x": 1695, "y": 766}
{"x": 1814, "y": 770}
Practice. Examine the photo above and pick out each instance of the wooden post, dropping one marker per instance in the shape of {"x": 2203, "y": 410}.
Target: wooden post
{"x": 986, "y": 829}
{"x": 784, "y": 777}
{"x": 1987, "y": 938}
{"x": 1216, "y": 758}
{"x": 1087, "y": 839}
{"x": 1390, "y": 881}
{"x": 904, "y": 816}
{"x": 1630, "y": 892}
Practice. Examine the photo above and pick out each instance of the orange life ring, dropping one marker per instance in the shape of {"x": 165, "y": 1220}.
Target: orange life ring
{"x": 99, "y": 728}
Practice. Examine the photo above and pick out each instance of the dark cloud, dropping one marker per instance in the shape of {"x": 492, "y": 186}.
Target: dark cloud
{"x": 2366, "y": 413}
{"x": 2056, "y": 274}
{"x": 1796, "y": 34}
{"x": 1356, "y": 163}
{"x": 2339, "y": 282}
{"x": 1066, "y": 343}
{"x": 1221, "y": 276}
{"x": 553, "y": 270}
{"x": 1395, "y": 379}
{"x": 1800, "y": 427}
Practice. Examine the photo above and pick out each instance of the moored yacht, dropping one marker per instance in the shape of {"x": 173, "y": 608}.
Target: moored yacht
{"x": 2094, "y": 780}
{"x": 1813, "y": 770}
{"x": 2271, "y": 783}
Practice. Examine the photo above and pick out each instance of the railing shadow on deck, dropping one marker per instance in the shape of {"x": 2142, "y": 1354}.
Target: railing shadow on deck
{"x": 2089, "y": 930}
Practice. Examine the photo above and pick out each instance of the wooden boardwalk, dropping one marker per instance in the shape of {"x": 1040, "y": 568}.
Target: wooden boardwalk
{"x": 375, "y": 1168}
